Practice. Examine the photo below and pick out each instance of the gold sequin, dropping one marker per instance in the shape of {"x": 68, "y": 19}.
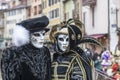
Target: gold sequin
{"x": 73, "y": 37}
{"x": 78, "y": 36}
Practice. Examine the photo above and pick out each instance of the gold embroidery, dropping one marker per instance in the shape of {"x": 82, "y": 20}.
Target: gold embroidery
{"x": 73, "y": 37}
{"x": 78, "y": 36}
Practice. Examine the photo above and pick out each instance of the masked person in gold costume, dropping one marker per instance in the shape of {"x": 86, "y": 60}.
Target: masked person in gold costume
{"x": 70, "y": 62}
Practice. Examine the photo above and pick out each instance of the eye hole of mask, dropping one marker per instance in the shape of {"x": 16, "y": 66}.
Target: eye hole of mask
{"x": 67, "y": 39}
{"x": 36, "y": 34}
{"x": 43, "y": 33}
{"x": 61, "y": 39}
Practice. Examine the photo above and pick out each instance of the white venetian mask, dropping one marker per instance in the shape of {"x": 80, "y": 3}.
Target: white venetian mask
{"x": 37, "y": 39}
{"x": 63, "y": 42}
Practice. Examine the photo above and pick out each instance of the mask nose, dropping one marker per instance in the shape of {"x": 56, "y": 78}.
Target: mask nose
{"x": 41, "y": 37}
{"x": 64, "y": 42}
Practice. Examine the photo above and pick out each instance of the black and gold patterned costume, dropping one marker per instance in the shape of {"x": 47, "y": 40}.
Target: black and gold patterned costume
{"x": 73, "y": 63}
{"x": 68, "y": 67}
{"x": 71, "y": 66}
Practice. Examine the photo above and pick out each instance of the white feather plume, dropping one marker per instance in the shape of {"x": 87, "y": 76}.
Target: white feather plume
{"x": 21, "y": 36}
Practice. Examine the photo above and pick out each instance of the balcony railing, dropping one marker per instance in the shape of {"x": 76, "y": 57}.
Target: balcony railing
{"x": 89, "y": 2}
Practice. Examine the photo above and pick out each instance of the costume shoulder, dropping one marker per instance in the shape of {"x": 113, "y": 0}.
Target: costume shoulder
{"x": 86, "y": 62}
{"x": 46, "y": 48}
{"x": 8, "y": 52}
{"x": 11, "y": 51}
{"x": 47, "y": 51}
{"x": 10, "y": 55}
{"x": 10, "y": 64}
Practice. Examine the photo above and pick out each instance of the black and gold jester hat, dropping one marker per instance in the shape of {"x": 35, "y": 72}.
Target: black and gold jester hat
{"x": 74, "y": 30}
{"x": 71, "y": 27}
{"x": 79, "y": 38}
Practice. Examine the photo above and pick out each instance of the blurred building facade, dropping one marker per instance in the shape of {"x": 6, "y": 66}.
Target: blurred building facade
{"x": 3, "y": 7}
{"x": 95, "y": 19}
{"x": 13, "y": 15}
{"x": 117, "y": 12}
{"x": 56, "y": 11}
{"x": 114, "y": 37}
{"x": 100, "y": 20}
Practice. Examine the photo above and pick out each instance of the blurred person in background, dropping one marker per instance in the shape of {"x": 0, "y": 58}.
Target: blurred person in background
{"x": 106, "y": 60}
{"x": 117, "y": 76}
{"x": 115, "y": 67}
{"x": 97, "y": 61}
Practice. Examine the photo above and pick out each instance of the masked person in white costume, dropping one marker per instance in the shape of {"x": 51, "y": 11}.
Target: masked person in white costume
{"x": 69, "y": 61}
{"x": 29, "y": 59}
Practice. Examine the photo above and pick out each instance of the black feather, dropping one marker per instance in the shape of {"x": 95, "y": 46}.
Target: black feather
{"x": 91, "y": 41}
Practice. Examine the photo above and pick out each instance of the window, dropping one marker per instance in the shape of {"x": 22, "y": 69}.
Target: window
{"x": 73, "y": 13}
{"x": 19, "y": 11}
{"x": 10, "y": 13}
{"x": 35, "y": 10}
{"x": 29, "y": 12}
{"x": 49, "y": 2}
{"x": 43, "y": 5}
{"x": 3, "y": 4}
{"x": 50, "y": 14}
{"x": 54, "y": 13}
{"x": 84, "y": 18}
{"x": 7, "y": 14}
{"x": 55, "y": 1}
{"x": 40, "y": 9}
{"x": 13, "y": 3}
{"x": 52, "y": 2}
{"x": 67, "y": 15}
{"x": 7, "y": 22}
{"x": 1, "y": 22}
{"x": 10, "y": 31}
{"x": 14, "y": 12}
{"x": 93, "y": 17}
{"x": 57, "y": 12}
